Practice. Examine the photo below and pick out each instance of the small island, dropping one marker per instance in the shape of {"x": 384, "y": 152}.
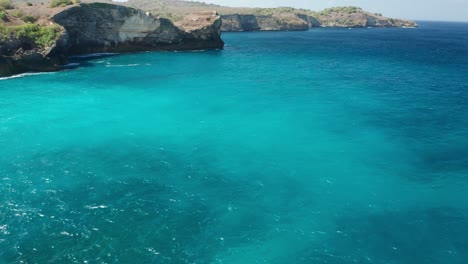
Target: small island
{"x": 37, "y": 36}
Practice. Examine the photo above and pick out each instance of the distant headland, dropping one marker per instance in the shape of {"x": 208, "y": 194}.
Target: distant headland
{"x": 40, "y": 36}
{"x": 282, "y": 18}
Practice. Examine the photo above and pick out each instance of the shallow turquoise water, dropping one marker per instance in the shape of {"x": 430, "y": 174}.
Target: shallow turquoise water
{"x": 326, "y": 146}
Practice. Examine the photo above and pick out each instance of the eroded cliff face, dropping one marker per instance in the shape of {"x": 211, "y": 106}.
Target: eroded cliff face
{"x": 202, "y": 31}
{"x": 111, "y": 28}
{"x": 311, "y": 21}
{"x": 361, "y": 19}
{"x": 239, "y": 22}
{"x": 99, "y": 27}
{"x": 287, "y": 21}
{"x": 18, "y": 55}
{"x": 376, "y": 21}
{"x": 303, "y": 21}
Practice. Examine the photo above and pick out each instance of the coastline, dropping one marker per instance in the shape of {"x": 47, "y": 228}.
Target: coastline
{"x": 98, "y": 27}
{"x": 76, "y": 61}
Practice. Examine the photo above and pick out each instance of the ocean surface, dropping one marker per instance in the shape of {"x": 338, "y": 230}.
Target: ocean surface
{"x": 328, "y": 146}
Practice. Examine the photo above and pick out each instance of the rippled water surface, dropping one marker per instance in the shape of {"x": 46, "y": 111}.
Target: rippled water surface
{"x": 326, "y": 146}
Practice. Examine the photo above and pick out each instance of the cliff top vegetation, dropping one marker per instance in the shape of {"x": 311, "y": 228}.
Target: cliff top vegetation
{"x": 40, "y": 36}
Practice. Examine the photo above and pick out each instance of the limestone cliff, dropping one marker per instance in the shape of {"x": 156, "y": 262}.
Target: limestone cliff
{"x": 293, "y": 22}
{"x": 296, "y": 19}
{"x": 240, "y": 23}
{"x": 281, "y": 18}
{"x": 311, "y": 20}
{"x": 20, "y": 54}
{"x": 282, "y": 21}
{"x": 202, "y": 31}
{"x": 356, "y": 17}
{"x": 102, "y": 27}
{"x": 276, "y": 22}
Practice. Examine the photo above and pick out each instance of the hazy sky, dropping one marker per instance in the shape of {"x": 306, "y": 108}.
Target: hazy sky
{"x": 448, "y": 10}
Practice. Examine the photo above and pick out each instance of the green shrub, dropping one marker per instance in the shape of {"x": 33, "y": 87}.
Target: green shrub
{"x": 344, "y": 9}
{"x": 39, "y": 35}
{"x": 272, "y": 11}
{"x": 6, "y": 4}
{"x": 29, "y": 19}
{"x": 172, "y": 17}
{"x": 57, "y": 3}
{"x": 3, "y": 32}
{"x": 3, "y": 16}
{"x": 17, "y": 14}
{"x": 77, "y": 1}
{"x": 29, "y": 4}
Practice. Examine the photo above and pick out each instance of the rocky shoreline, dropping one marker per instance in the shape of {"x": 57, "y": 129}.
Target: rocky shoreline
{"x": 294, "y": 21}
{"x": 100, "y": 27}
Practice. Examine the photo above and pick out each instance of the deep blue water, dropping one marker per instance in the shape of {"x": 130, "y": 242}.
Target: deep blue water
{"x": 328, "y": 146}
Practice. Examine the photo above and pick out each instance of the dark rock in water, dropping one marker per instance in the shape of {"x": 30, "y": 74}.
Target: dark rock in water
{"x": 6, "y": 66}
{"x": 102, "y": 27}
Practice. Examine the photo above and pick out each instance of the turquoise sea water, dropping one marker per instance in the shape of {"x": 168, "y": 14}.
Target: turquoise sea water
{"x": 328, "y": 146}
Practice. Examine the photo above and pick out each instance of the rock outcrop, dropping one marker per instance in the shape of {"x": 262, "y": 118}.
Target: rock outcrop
{"x": 277, "y": 22}
{"x": 240, "y": 23}
{"x": 282, "y": 22}
{"x": 281, "y": 18}
{"x": 19, "y": 54}
{"x": 202, "y": 30}
{"x": 102, "y": 27}
{"x": 296, "y": 19}
{"x": 311, "y": 21}
{"x": 360, "y": 19}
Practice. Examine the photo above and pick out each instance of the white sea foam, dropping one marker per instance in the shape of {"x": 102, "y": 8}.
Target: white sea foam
{"x": 93, "y": 55}
{"x": 70, "y": 65}
{"x": 3, "y": 229}
{"x": 123, "y": 65}
{"x": 95, "y": 207}
{"x": 65, "y": 233}
{"x": 183, "y": 51}
{"x": 24, "y": 75}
